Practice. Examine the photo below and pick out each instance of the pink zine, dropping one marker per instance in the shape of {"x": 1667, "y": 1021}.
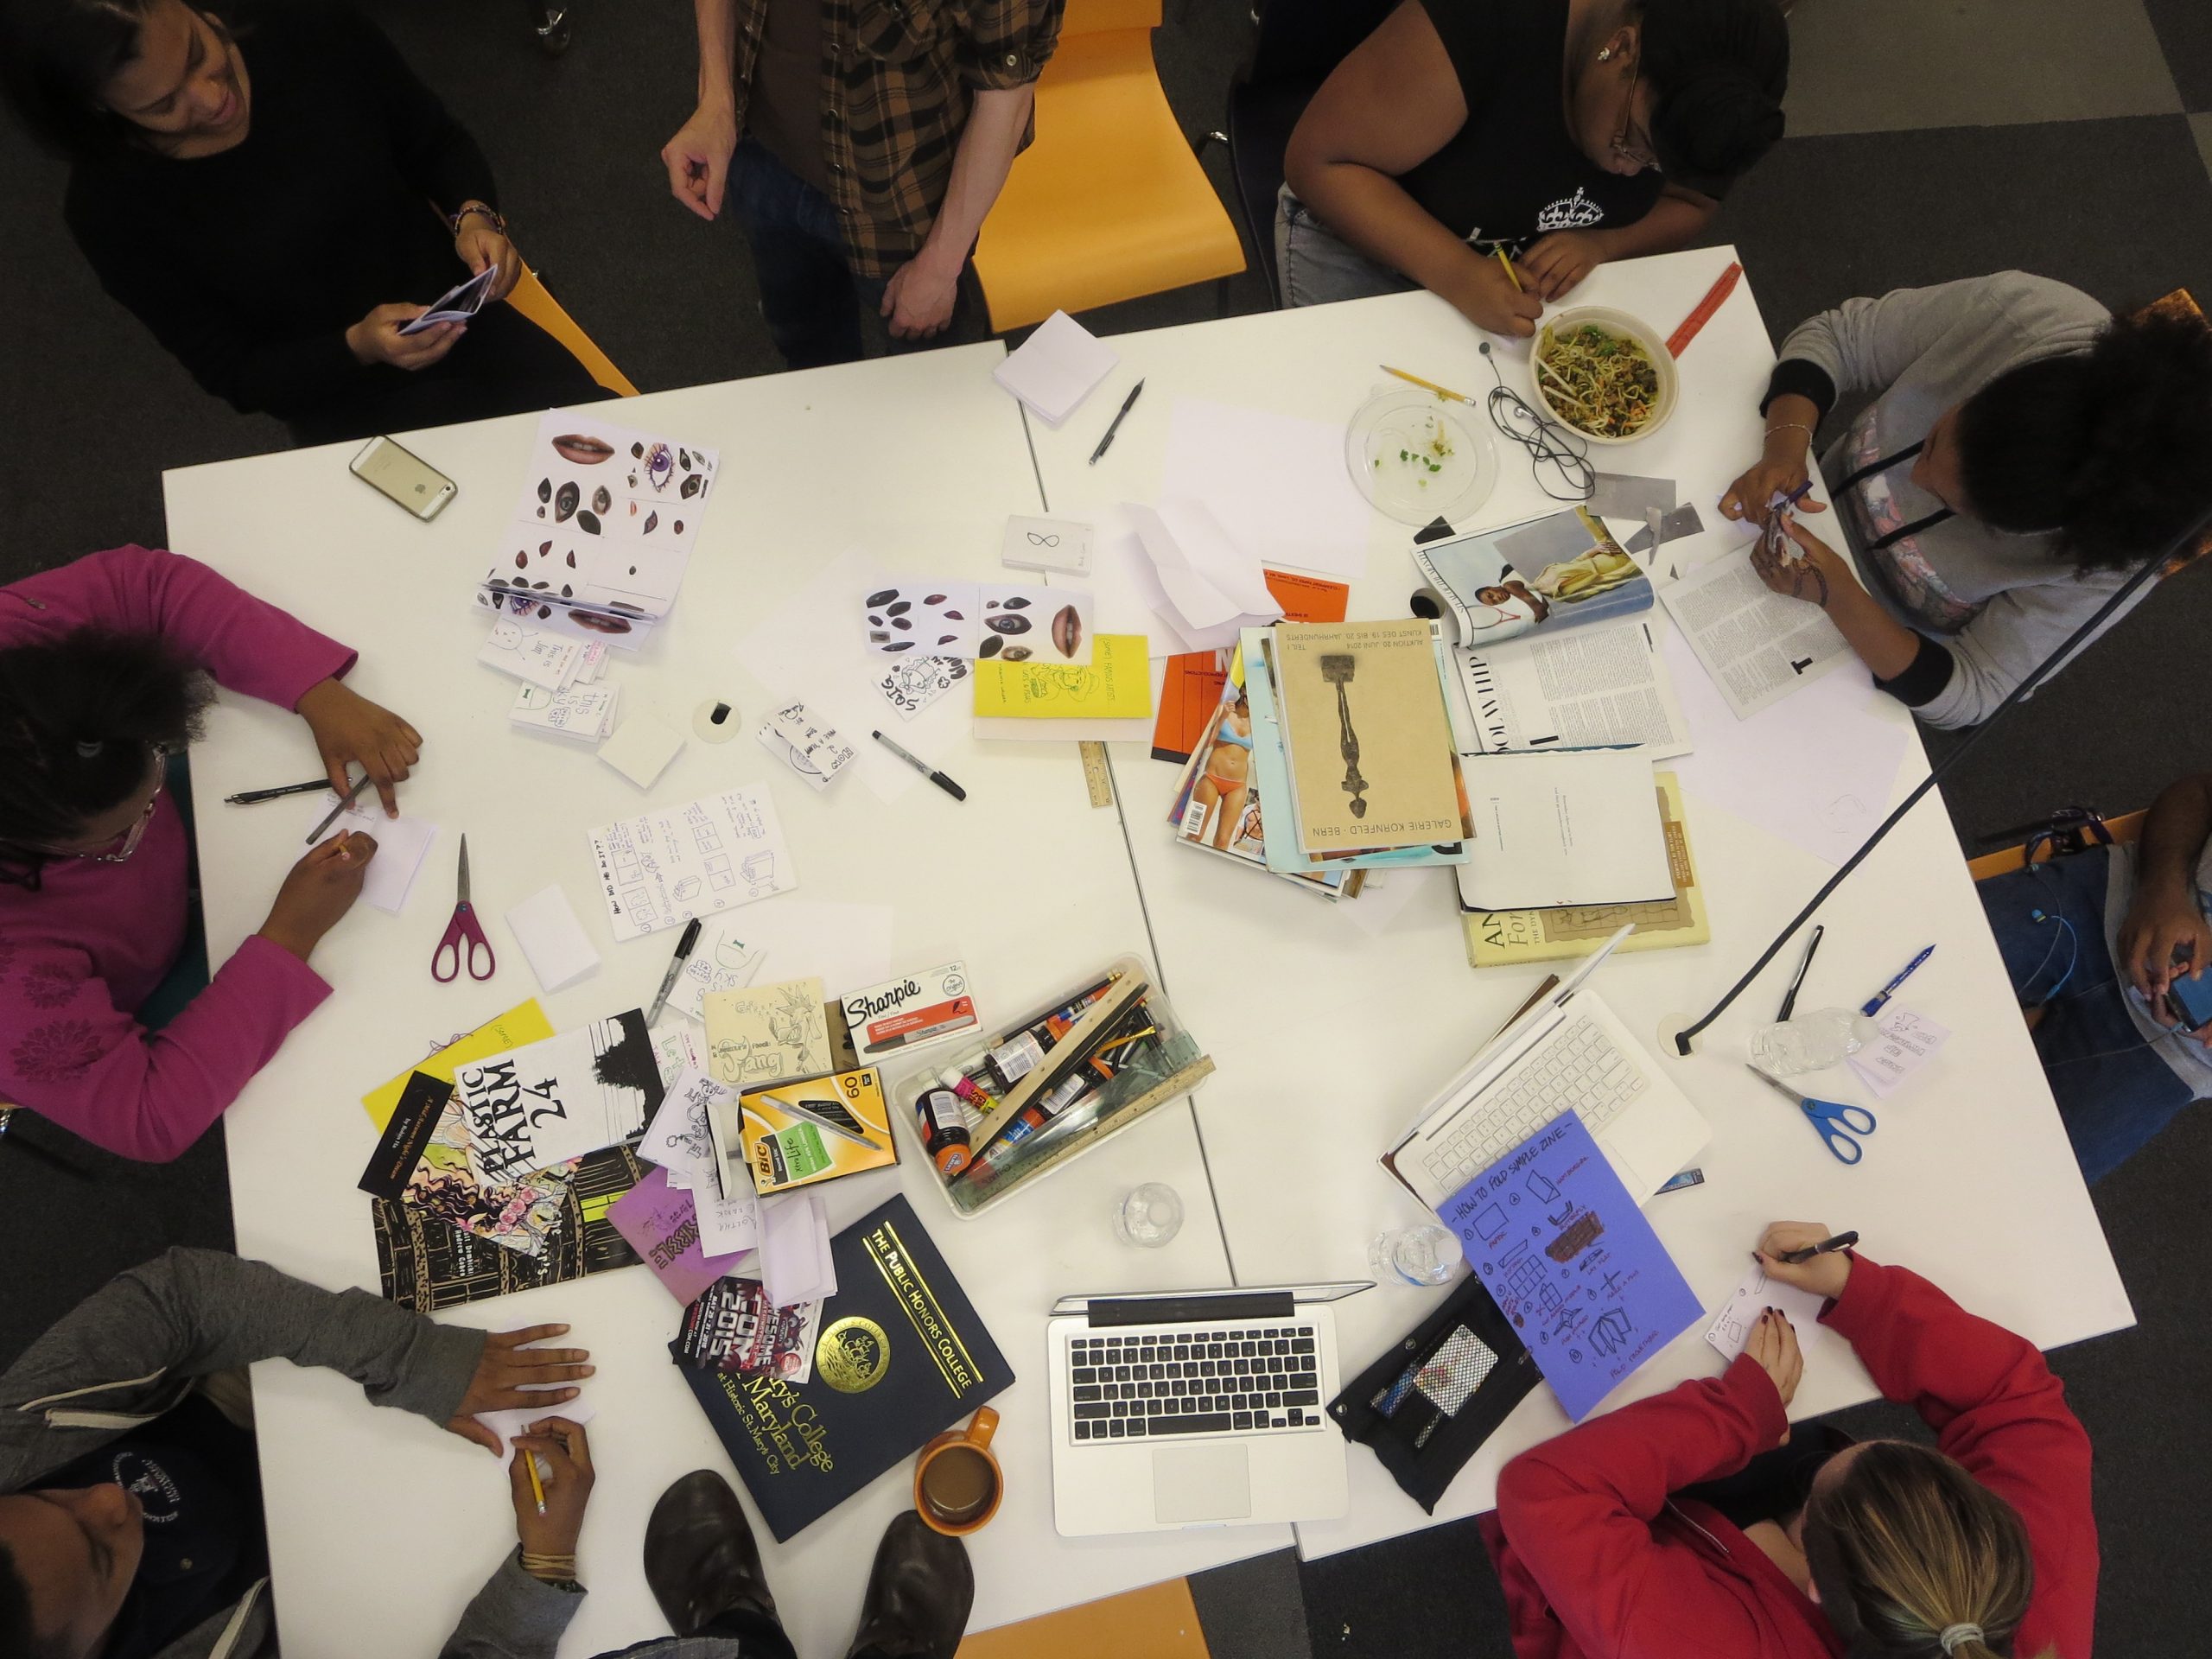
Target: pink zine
{"x": 662, "y": 1224}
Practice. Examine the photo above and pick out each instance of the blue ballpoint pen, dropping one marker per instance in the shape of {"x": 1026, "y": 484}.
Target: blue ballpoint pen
{"x": 1889, "y": 989}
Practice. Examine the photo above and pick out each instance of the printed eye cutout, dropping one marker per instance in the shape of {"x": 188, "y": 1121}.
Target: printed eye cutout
{"x": 565, "y": 502}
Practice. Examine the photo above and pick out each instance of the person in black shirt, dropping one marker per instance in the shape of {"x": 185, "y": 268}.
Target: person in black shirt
{"x": 275, "y": 200}
{"x": 1563, "y": 132}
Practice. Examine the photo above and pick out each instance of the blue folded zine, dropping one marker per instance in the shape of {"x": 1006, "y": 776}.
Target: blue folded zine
{"x": 1571, "y": 1260}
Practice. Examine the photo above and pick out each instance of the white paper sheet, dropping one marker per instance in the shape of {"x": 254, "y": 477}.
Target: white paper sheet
{"x": 677, "y": 1138}
{"x": 723, "y": 960}
{"x": 1563, "y": 828}
{"x": 402, "y": 844}
{"x": 845, "y": 946}
{"x": 1817, "y": 769}
{"x": 807, "y": 648}
{"x": 553, "y": 941}
{"x": 1056, "y": 368}
{"x": 1274, "y": 481}
{"x": 1585, "y": 688}
{"x": 1379, "y": 903}
{"x": 727, "y": 1226}
{"x": 795, "y": 1261}
{"x": 508, "y": 1424}
{"x": 1757, "y": 646}
{"x": 1206, "y": 574}
{"x": 812, "y": 748}
{"x": 641, "y": 747}
{"x": 944, "y": 616}
{"x": 1908, "y": 1042}
{"x": 545, "y": 660}
{"x": 1731, "y": 1327}
{"x": 663, "y": 867}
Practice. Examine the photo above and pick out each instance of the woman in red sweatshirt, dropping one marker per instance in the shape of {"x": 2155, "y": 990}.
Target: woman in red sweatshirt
{"x": 101, "y": 665}
{"x": 1693, "y": 1524}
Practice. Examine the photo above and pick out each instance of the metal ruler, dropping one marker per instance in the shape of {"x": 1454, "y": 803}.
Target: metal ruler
{"x": 1095, "y": 778}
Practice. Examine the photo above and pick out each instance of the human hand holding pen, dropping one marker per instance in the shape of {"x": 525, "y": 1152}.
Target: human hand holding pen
{"x": 1821, "y": 1275}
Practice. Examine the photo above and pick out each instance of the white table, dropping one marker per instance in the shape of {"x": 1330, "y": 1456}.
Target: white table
{"x": 918, "y": 459}
{"x": 1329, "y": 1041}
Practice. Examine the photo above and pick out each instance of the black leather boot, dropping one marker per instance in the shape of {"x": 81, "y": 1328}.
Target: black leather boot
{"x": 918, "y": 1596}
{"x": 700, "y": 1557}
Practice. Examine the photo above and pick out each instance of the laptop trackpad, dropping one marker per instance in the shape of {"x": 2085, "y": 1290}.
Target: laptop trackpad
{"x": 1200, "y": 1483}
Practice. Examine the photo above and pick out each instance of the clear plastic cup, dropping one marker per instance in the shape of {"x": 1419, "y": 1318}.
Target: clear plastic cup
{"x": 1149, "y": 1216}
{"x": 1415, "y": 1255}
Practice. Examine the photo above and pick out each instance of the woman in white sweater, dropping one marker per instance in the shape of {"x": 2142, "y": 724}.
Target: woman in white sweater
{"x": 2025, "y": 451}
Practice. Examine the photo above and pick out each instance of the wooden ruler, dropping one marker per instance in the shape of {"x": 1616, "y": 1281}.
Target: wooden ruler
{"x": 1723, "y": 286}
{"x": 1095, "y": 778}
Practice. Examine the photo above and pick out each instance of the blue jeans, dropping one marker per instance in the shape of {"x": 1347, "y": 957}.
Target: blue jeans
{"x": 812, "y": 302}
{"x": 1318, "y": 266}
{"x": 2114, "y": 1091}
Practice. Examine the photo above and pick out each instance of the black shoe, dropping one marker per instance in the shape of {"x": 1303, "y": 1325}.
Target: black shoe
{"x": 919, "y": 1595}
{"x": 700, "y": 1557}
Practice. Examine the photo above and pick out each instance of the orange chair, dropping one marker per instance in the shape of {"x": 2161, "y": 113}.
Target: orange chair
{"x": 2015, "y": 858}
{"x": 1109, "y": 203}
{"x": 535, "y": 300}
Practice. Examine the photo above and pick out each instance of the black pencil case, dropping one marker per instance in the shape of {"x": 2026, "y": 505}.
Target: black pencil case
{"x": 1433, "y": 1399}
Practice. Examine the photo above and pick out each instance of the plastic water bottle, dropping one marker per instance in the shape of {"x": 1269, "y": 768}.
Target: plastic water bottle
{"x": 1810, "y": 1042}
{"x": 1415, "y": 1255}
{"x": 1149, "y": 1216}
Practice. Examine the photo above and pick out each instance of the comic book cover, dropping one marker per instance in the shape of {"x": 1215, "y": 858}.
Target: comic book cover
{"x": 733, "y": 1328}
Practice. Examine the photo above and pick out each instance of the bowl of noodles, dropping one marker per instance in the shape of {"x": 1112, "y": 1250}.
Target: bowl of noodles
{"x": 1602, "y": 373}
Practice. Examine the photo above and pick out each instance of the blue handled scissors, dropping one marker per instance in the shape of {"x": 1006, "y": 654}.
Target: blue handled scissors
{"x": 463, "y": 934}
{"x": 1838, "y": 1123}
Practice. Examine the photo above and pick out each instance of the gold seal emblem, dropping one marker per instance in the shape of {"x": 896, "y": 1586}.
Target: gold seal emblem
{"x": 853, "y": 1355}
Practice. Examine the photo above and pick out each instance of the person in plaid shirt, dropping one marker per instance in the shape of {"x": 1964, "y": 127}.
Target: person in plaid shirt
{"x": 861, "y": 142}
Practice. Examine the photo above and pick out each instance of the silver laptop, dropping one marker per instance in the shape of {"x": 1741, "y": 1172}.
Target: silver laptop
{"x": 1569, "y": 1051}
{"x": 1195, "y": 1408}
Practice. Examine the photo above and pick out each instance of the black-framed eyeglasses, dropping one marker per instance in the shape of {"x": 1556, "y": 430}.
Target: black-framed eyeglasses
{"x": 1628, "y": 143}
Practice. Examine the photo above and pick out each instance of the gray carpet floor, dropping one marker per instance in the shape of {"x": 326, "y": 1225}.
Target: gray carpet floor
{"x": 2070, "y": 137}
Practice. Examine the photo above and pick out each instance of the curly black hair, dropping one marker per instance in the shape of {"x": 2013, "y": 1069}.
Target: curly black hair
{"x": 1720, "y": 68}
{"x": 79, "y": 718}
{"x": 2110, "y": 448}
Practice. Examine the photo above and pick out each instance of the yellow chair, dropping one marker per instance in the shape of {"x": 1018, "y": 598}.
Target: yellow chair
{"x": 535, "y": 300}
{"x": 1160, "y": 1622}
{"x": 1109, "y": 203}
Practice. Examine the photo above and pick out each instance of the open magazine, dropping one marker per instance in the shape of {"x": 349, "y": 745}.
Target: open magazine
{"x": 1545, "y": 575}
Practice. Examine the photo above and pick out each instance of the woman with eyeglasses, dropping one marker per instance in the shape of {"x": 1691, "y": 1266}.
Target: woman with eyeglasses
{"x": 1560, "y": 133}
{"x": 105, "y": 1026}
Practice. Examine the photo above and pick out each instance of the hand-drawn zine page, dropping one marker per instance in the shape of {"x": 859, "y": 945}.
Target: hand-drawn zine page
{"x": 662, "y": 869}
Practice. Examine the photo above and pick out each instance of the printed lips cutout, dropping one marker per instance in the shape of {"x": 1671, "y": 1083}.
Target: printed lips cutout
{"x": 580, "y": 449}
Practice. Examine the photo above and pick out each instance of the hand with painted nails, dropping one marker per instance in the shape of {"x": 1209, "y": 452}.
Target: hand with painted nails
{"x": 508, "y": 1363}
{"x": 1773, "y": 1345}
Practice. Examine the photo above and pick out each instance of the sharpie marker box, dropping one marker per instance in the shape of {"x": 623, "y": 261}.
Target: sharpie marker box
{"x": 796, "y": 1134}
{"x": 906, "y": 1012}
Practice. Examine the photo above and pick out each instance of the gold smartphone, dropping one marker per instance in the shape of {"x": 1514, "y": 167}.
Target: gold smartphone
{"x": 406, "y": 478}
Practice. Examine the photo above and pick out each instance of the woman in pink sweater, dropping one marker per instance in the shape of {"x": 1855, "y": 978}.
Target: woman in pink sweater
{"x": 101, "y": 665}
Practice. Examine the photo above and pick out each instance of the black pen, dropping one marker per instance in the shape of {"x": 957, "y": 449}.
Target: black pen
{"x": 1107, "y": 443}
{"x": 924, "y": 767}
{"x": 1790, "y": 997}
{"x": 247, "y": 797}
{"x": 668, "y": 980}
{"x": 1841, "y": 1242}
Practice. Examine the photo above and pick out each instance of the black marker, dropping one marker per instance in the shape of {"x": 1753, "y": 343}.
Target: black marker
{"x": 668, "y": 980}
{"x": 1841, "y": 1242}
{"x": 924, "y": 767}
{"x": 1790, "y": 997}
{"x": 1107, "y": 443}
{"x": 247, "y": 797}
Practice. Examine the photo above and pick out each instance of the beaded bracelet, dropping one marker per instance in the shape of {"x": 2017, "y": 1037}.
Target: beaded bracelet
{"x": 491, "y": 215}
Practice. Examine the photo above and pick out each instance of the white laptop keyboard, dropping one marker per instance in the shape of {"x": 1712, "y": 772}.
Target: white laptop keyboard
{"x": 1577, "y": 1066}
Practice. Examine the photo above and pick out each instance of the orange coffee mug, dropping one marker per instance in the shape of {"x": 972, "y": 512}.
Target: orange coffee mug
{"x": 957, "y": 1482}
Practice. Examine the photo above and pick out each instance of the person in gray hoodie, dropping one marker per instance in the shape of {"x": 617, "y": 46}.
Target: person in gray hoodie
{"x": 2024, "y": 453}
{"x": 129, "y": 1494}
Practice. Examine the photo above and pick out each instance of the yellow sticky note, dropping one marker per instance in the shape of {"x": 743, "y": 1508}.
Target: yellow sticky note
{"x": 525, "y": 1022}
{"x": 1116, "y": 685}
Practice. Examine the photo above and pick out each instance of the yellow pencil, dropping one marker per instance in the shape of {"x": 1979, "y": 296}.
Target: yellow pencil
{"x": 530, "y": 1467}
{"x": 1509, "y": 277}
{"x": 1426, "y": 385}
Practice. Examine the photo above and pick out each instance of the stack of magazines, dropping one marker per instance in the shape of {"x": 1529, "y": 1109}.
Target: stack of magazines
{"x": 1333, "y": 752}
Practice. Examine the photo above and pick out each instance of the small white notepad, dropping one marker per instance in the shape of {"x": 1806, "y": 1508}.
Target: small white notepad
{"x": 1057, "y": 367}
{"x": 546, "y": 927}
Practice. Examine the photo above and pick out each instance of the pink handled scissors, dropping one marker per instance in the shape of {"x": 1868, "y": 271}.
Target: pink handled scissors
{"x": 463, "y": 926}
